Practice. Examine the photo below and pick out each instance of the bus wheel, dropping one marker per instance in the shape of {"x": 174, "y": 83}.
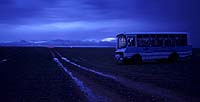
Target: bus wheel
{"x": 120, "y": 62}
{"x": 173, "y": 57}
{"x": 137, "y": 59}
{"x": 123, "y": 61}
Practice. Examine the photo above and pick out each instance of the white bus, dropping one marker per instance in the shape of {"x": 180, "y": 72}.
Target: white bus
{"x": 143, "y": 46}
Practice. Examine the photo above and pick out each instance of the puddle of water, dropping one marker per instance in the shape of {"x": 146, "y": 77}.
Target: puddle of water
{"x": 4, "y": 60}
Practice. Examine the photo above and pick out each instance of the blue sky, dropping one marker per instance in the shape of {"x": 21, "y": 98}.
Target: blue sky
{"x": 95, "y": 19}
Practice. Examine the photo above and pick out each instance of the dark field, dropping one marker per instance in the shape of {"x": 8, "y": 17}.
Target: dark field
{"x": 39, "y": 74}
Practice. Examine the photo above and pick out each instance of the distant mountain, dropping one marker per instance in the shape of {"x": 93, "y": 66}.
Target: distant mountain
{"x": 60, "y": 42}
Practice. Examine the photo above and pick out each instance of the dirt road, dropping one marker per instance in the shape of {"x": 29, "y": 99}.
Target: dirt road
{"x": 91, "y": 75}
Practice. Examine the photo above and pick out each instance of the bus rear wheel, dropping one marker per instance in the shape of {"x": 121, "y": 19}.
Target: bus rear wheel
{"x": 137, "y": 59}
{"x": 173, "y": 57}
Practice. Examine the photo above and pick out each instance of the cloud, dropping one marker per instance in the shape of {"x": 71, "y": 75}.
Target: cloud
{"x": 93, "y": 18}
{"x": 74, "y": 26}
{"x": 50, "y": 11}
{"x": 108, "y": 39}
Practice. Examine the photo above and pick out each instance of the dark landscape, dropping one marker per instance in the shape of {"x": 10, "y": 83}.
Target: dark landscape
{"x": 56, "y": 74}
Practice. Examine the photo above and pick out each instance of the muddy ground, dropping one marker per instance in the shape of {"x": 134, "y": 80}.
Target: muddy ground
{"x": 40, "y": 74}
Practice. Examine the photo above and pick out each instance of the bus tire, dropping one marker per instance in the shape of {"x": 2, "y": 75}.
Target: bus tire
{"x": 120, "y": 59}
{"x": 126, "y": 61}
{"x": 137, "y": 59}
{"x": 173, "y": 57}
{"x": 120, "y": 62}
{"x": 123, "y": 62}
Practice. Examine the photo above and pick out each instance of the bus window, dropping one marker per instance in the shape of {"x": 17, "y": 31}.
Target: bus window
{"x": 145, "y": 35}
{"x": 165, "y": 35}
{"x": 184, "y": 36}
{"x": 184, "y": 42}
{"x": 139, "y": 36}
{"x": 166, "y": 43}
{"x": 156, "y": 43}
{"x": 139, "y": 42}
{"x": 131, "y": 41}
{"x": 172, "y": 36}
{"x": 153, "y": 36}
{"x": 172, "y": 42}
{"x": 160, "y": 43}
{"x": 159, "y": 35}
{"x": 181, "y": 40}
{"x": 122, "y": 42}
{"x": 145, "y": 42}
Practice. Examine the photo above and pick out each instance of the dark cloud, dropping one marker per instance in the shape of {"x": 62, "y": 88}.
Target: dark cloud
{"x": 17, "y": 10}
{"x": 33, "y": 18}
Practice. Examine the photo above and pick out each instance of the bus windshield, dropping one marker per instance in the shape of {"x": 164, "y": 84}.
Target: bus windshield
{"x": 121, "y": 42}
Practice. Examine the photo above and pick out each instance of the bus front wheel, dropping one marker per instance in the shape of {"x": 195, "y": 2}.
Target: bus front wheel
{"x": 123, "y": 61}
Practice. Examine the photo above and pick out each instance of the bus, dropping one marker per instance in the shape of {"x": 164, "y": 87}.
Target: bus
{"x": 145, "y": 46}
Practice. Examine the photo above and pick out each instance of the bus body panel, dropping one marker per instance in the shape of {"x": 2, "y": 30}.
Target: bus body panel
{"x": 154, "y": 52}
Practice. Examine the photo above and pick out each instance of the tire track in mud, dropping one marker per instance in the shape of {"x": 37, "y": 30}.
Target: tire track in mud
{"x": 155, "y": 92}
{"x": 106, "y": 88}
{"x": 85, "y": 68}
{"x": 88, "y": 92}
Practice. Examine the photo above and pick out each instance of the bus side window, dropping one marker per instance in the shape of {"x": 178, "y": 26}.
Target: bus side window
{"x": 154, "y": 42}
{"x": 166, "y": 43}
{"x": 173, "y": 42}
{"x": 146, "y": 42}
{"x": 181, "y": 42}
{"x": 157, "y": 42}
{"x": 128, "y": 40}
{"x": 139, "y": 42}
{"x": 131, "y": 42}
{"x": 184, "y": 40}
{"x": 160, "y": 42}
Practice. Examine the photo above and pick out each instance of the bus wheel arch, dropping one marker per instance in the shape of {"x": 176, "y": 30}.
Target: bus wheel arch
{"x": 137, "y": 59}
{"x": 119, "y": 58}
{"x": 173, "y": 57}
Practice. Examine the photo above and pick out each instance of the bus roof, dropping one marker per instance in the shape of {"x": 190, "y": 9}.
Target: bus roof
{"x": 136, "y": 33}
